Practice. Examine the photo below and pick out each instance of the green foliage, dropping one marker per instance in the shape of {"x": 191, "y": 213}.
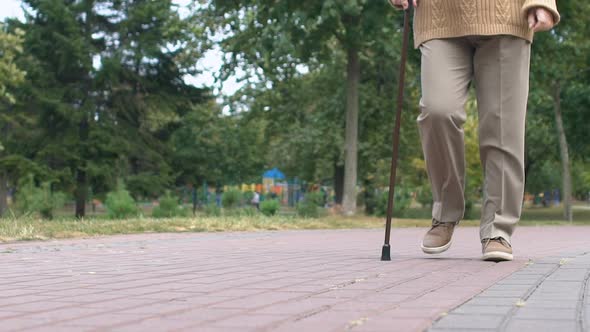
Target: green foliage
{"x": 94, "y": 123}
{"x": 315, "y": 197}
{"x": 212, "y": 210}
{"x": 216, "y": 147}
{"x": 270, "y": 207}
{"x": 581, "y": 176}
{"x": 169, "y": 207}
{"x": 31, "y": 199}
{"x": 10, "y": 74}
{"x": 402, "y": 200}
{"x": 546, "y": 177}
{"x": 247, "y": 197}
{"x": 306, "y": 209}
{"x": 231, "y": 199}
{"x": 424, "y": 195}
{"x": 120, "y": 204}
{"x": 134, "y": 116}
{"x": 247, "y": 211}
{"x": 310, "y": 206}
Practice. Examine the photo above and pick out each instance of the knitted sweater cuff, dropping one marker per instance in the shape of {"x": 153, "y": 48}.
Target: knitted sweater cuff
{"x": 550, "y": 5}
{"x": 395, "y": 6}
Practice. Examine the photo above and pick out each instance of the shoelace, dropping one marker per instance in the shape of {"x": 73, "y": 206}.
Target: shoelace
{"x": 436, "y": 223}
{"x": 498, "y": 239}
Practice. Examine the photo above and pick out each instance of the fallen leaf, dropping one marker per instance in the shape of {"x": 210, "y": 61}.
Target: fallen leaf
{"x": 355, "y": 323}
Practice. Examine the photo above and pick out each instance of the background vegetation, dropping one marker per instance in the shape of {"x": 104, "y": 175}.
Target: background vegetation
{"x": 93, "y": 92}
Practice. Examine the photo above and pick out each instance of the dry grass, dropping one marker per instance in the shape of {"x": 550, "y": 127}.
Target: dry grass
{"x": 20, "y": 229}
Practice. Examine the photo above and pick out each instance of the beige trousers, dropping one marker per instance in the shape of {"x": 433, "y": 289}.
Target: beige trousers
{"x": 499, "y": 68}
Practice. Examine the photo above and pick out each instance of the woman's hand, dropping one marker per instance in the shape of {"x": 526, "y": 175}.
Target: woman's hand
{"x": 540, "y": 19}
{"x": 402, "y": 4}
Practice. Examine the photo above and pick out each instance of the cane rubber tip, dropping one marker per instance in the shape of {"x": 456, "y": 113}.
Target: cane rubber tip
{"x": 386, "y": 253}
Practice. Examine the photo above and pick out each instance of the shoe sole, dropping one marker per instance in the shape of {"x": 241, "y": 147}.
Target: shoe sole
{"x": 497, "y": 256}
{"x": 436, "y": 250}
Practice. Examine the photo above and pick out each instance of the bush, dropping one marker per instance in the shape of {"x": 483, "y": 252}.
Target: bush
{"x": 120, "y": 204}
{"x": 369, "y": 200}
{"x": 315, "y": 197}
{"x": 231, "y": 199}
{"x": 248, "y": 211}
{"x": 309, "y": 207}
{"x": 270, "y": 207}
{"x": 32, "y": 199}
{"x": 212, "y": 210}
{"x": 169, "y": 208}
{"x": 402, "y": 200}
{"x": 470, "y": 211}
{"x": 247, "y": 197}
{"x": 424, "y": 195}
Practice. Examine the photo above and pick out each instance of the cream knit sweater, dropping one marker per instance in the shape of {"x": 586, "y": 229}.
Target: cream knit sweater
{"x": 455, "y": 18}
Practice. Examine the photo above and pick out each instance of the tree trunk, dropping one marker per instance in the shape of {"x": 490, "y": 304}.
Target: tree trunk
{"x": 81, "y": 176}
{"x": 351, "y": 140}
{"x": 3, "y": 193}
{"x": 564, "y": 153}
{"x": 338, "y": 183}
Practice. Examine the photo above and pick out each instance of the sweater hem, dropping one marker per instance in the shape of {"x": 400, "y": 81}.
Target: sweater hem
{"x": 473, "y": 30}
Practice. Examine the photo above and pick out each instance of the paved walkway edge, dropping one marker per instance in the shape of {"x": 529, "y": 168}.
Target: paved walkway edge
{"x": 547, "y": 295}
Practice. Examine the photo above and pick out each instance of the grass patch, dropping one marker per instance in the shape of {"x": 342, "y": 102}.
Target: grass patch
{"x": 28, "y": 228}
{"x": 15, "y": 229}
{"x": 581, "y": 214}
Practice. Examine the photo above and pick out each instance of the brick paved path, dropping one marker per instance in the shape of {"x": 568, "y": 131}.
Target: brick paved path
{"x": 292, "y": 281}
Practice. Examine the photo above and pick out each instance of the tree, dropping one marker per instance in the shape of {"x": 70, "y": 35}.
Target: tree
{"x": 277, "y": 37}
{"x": 11, "y": 76}
{"x": 62, "y": 36}
{"x": 108, "y": 83}
{"x": 149, "y": 53}
{"x": 568, "y": 43}
{"x": 216, "y": 148}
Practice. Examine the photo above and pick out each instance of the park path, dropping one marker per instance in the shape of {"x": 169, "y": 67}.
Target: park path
{"x": 292, "y": 281}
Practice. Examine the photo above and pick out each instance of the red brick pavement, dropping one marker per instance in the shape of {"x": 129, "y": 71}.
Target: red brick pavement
{"x": 268, "y": 281}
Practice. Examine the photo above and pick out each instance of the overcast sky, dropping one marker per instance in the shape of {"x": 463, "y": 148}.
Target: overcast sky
{"x": 10, "y": 8}
{"x": 210, "y": 64}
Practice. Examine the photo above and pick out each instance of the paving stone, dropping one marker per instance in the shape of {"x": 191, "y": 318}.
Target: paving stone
{"x": 284, "y": 281}
{"x": 250, "y": 321}
{"x": 502, "y": 287}
{"x": 503, "y": 293}
{"x": 436, "y": 329}
{"x": 549, "y": 303}
{"x": 521, "y": 282}
{"x": 554, "y": 296}
{"x": 546, "y": 313}
{"x": 453, "y": 321}
{"x": 552, "y": 299}
{"x": 483, "y": 310}
{"x": 386, "y": 324}
{"x": 310, "y": 305}
{"x": 540, "y": 325}
{"x": 493, "y": 301}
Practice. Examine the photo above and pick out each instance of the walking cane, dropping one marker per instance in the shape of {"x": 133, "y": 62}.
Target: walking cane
{"x": 386, "y": 251}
